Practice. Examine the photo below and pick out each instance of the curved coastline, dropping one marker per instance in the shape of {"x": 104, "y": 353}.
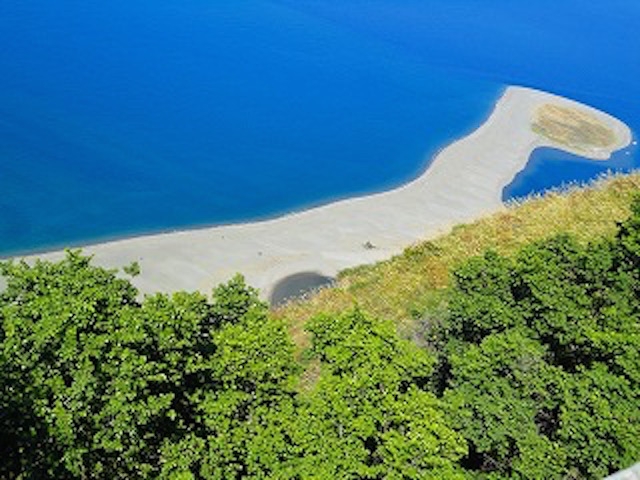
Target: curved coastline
{"x": 464, "y": 181}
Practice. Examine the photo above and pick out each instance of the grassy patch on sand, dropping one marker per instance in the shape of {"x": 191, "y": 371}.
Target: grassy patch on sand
{"x": 572, "y": 128}
{"x": 410, "y": 286}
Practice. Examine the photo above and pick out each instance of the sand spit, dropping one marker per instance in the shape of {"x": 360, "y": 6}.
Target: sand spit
{"x": 464, "y": 181}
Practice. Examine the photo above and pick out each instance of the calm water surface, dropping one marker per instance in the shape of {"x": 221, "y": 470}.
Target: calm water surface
{"x": 126, "y": 117}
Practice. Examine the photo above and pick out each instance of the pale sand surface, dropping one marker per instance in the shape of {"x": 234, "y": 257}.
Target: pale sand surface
{"x": 464, "y": 181}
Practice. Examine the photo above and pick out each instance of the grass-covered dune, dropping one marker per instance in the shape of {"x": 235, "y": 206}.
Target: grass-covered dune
{"x": 410, "y": 286}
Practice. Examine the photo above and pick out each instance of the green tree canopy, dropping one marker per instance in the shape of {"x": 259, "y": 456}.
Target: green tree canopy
{"x": 98, "y": 384}
{"x": 541, "y": 357}
{"x": 370, "y": 415}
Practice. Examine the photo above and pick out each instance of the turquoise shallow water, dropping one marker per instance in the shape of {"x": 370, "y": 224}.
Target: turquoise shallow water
{"x": 120, "y": 118}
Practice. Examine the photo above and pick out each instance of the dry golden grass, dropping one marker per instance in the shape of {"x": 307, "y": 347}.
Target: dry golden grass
{"x": 573, "y": 128}
{"x": 404, "y": 287}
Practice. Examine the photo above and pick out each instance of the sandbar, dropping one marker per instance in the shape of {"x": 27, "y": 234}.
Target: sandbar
{"x": 463, "y": 182}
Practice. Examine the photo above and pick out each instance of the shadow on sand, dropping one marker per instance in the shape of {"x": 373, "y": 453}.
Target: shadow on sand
{"x": 298, "y": 285}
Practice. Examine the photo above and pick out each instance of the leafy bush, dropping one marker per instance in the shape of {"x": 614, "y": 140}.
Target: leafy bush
{"x": 541, "y": 357}
{"x": 96, "y": 384}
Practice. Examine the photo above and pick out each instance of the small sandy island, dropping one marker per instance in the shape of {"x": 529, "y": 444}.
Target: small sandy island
{"x": 463, "y": 182}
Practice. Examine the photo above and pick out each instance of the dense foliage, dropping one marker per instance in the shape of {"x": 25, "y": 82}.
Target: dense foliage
{"x": 533, "y": 373}
{"x": 541, "y": 358}
{"x": 98, "y": 385}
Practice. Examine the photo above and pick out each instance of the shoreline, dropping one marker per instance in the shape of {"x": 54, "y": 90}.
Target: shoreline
{"x": 427, "y": 161}
{"x": 463, "y": 181}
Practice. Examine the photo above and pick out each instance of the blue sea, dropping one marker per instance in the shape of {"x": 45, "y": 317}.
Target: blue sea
{"x": 130, "y": 117}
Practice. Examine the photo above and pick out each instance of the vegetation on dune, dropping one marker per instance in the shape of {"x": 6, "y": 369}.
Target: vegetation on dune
{"x": 411, "y": 288}
{"x": 528, "y": 364}
{"x": 573, "y": 128}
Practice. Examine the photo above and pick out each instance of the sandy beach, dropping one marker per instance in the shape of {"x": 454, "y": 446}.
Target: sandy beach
{"x": 465, "y": 181}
